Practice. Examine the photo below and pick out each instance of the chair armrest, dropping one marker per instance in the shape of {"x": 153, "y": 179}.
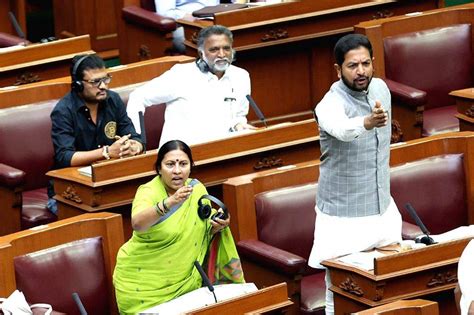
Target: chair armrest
{"x": 10, "y": 176}
{"x": 272, "y": 257}
{"x": 7, "y": 40}
{"x": 148, "y": 19}
{"x": 410, "y": 231}
{"x": 405, "y": 94}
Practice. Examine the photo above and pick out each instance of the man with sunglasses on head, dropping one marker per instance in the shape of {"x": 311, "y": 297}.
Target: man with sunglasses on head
{"x": 90, "y": 123}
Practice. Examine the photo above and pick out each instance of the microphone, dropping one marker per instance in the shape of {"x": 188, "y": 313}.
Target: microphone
{"x": 205, "y": 279}
{"x": 257, "y": 110}
{"x": 81, "y": 308}
{"x": 16, "y": 25}
{"x": 425, "y": 239}
{"x": 141, "y": 117}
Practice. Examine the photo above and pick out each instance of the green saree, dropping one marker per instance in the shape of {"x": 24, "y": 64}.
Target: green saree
{"x": 157, "y": 265}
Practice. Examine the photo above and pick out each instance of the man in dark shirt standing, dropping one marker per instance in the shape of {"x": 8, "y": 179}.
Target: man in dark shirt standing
{"x": 90, "y": 123}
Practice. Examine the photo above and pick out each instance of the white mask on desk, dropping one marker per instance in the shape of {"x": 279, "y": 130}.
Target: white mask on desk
{"x": 16, "y": 304}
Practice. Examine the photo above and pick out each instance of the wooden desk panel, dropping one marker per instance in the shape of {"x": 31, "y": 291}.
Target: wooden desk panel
{"x": 113, "y": 183}
{"x": 93, "y": 17}
{"x": 287, "y": 48}
{"x": 465, "y": 106}
{"x": 427, "y": 272}
{"x": 18, "y": 8}
{"x": 38, "y": 62}
{"x": 55, "y": 89}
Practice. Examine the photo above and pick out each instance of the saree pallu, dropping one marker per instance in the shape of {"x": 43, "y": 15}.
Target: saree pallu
{"x": 157, "y": 265}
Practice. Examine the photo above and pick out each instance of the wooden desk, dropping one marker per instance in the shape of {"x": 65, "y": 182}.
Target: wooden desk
{"x": 288, "y": 47}
{"x": 38, "y": 62}
{"x": 273, "y": 299}
{"x": 465, "y": 106}
{"x": 123, "y": 76}
{"x": 113, "y": 184}
{"x": 429, "y": 272}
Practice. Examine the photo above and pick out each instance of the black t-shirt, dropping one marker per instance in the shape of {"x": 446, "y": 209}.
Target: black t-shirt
{"x": 73, "y": 129}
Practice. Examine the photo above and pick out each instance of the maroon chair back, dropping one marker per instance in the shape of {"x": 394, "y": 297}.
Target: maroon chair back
{"x": 25, "y": 139}
{"x": 154, "y": 121}
{"x": 290, "y": 212}
{"x": 436, "y": 188}
{"x": 148, "y": 5}
{"x": 52, "y": 275}
{"x": 436, "y": 61}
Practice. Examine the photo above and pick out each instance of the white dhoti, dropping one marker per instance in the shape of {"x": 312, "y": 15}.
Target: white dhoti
{"x": 336, "y": 236}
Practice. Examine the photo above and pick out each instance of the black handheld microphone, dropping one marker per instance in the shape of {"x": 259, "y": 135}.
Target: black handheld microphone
{"x": 81, "y": 308}
{"x": 141, "y": 117}
{"x": 425, "y": 239}
{"x": 205, "y": 279}
{"x": 16, "y": 25}
{"x": 257, "y": 110}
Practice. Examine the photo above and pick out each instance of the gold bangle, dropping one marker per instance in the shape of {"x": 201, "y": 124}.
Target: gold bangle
{"x": 158, "y": 210}
{"x": 164, "y": 206}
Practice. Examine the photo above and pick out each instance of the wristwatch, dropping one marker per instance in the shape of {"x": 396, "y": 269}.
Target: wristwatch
{"x": 105, "y": 152}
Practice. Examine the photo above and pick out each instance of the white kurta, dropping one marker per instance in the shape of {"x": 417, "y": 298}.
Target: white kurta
{"x": 199, "y": 106}
{"x": 466, "y": 277}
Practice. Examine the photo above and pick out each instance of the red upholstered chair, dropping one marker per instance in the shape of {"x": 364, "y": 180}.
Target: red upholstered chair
{"x": 27, "y": 154}
{"x": 143, "y": 34}
{"x": 7, "y": 40}
{"x": 41, "y": 276}
{"x": 72, "y": 255}
{"x": 436, "y": 62}
{"x": 285, "y": 226}
{"x": 436, "y": 188}
{"x": 423, "y": 57}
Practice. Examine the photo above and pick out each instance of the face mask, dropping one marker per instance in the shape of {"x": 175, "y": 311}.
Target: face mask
{"x": 16, "y": 304}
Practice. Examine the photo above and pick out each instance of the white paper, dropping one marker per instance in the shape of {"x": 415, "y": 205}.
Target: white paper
{"x": 86, "y": 170}
{"x": 362, "y": 260}
{"x": 457, "y": 233}
{"x": 200, "y": 298}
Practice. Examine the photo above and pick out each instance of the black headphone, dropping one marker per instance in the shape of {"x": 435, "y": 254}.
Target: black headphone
{"x": 204, "y": 210}
{"x": 202, "y": 65}
{"x": 76, "y": 84}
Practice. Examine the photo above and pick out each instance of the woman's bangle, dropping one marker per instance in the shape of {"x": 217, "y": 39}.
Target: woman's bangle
{"x": 164, "y": 206}
{"x": 159, "y": 211}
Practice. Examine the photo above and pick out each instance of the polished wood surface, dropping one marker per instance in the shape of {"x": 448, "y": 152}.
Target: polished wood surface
{"x": 238, "y": 192}
{"x": 106, "y": 225}
{"x": 411, "y": 118}
{"x": 122, "y": 76}
{"x": 93, "y": 17}
{"x": 287, "y": 47}
{"x": 465, "y": 107}
{"x": 113, "y": 183}
{"x": 139, "y": 42}
{"x": 421, "y": 273}
{"x": 404, "y": 307}
{"x": 38, "y": 62}
{"x": 263, "y": 301}
{"x": 18, "y": 8}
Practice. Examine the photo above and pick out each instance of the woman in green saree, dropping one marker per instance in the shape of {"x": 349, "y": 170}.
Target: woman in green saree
{"x": 157, "y": 264}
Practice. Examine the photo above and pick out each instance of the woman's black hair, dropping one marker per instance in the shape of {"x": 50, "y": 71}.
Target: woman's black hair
{"x": 170, "y": 146}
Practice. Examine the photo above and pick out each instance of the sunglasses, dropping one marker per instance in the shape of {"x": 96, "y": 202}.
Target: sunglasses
{"x": 96, "y": 82}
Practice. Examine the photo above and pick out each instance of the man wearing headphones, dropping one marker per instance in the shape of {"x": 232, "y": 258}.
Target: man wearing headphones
{"x": 90, "y": 123}
{"x": 204, "y": 100}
